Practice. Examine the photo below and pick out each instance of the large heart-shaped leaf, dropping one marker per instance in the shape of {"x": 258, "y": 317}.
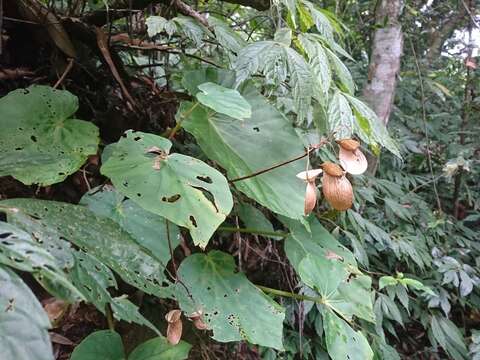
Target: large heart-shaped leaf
{"x": 224, "y": 100}
{"x": 159, "y": 349}
{"x": 101, "y": 345}
{"x": 232, "y": 306}
{"x": 107, "y": 345}
{"x": 23, "y": 322}
{"x": 147, "y": 229}
{"x": 180, "y": 188}
{"x": 328, "y": 267}
{"x": 39, "y": 142}
{"x": 99, "y": 237}
{"x": 243, "y": 147}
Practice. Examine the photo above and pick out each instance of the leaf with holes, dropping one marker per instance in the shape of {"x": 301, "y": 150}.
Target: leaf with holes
{"x": 102, "y": 238}
{"x": 40, "y": 143}
{"x": 147, "y": 229}
{"x": 232, "y": 306}
{"x": 328, "y": 267}
{"x": 23, "y": 322}
{"x": 19, "y": 250}
{"x": 344, "y": 343}
{"x": 183, "y": 189}
{"x": 244, "y": 147}
{"x": 224, "y": 100}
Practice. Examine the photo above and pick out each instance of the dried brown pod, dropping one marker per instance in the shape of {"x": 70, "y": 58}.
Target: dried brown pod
{"x": 351, "y": 157}
{"x": 174, "y": 332}
{"x": 349, "y": 144}
{"x": 332, "y": 169}
{"x": 173, "y": 316}
{"x": 309, "y": 177}
{"x": 310, "y": 197}
{"x": 175, "y": 326}
{"x": 338, "y": 191}
{"x": 199, "y": 324}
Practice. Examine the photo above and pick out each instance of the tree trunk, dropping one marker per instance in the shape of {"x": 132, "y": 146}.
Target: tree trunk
{"x": 387, "y": 48}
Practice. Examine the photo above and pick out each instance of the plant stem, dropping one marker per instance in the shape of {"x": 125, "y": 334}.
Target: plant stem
{"x": 182, "y": 117}
{"x": 110, "y": 320}
{"x": 273, "y": 167}
{"x": 253, "y": 231}
{"x": 283, "y": 293}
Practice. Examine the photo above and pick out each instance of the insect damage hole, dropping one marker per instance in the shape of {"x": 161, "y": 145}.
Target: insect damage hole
{"x": 208, "y": 195}
{"x": 172, "y": 199}
{"x": 206, "y": 179}
{"x": 193, "y": 221}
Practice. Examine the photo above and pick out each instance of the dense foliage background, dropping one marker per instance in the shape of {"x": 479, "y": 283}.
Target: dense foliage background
{"x": 149, "y": 201}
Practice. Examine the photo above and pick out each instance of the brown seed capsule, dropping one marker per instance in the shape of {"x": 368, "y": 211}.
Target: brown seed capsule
{"x": 199, "y": 324}
{"x": 354, "y": 162}
{"x": 173, "y": 316}
{"x": 174, "y": 332}
{"x": 309, "y": 175}
{"x": 332, "y": 169}
{"x": 349, "y": 144}
{"x": 310, "y": 197}
{"x": 338, "y": 191}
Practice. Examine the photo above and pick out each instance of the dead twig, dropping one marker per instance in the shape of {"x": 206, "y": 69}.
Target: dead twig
{"x": 102, "y": 42}
{"x": 67, "y": 70}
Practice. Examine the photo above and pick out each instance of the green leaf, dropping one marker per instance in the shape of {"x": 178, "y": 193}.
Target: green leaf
{"x": 318, "y": 240}
{"x": 124, "y": 309}
{"x": 306, "y": 20}
{"x": 224, "y": 101}
{"x": 147, "y": 229}
{"x": 342, "y": 341}
{"x": 386, "y": 281}
{"x": 232, "y": 306}
{"x": 244, "y": 147}
{"x": 155, "y": 25}
{"x": 446, "y": 333}
{"x": 322, "y": 23}
{"x": 46, "y": 260}
{"x": 100, "y": 345}
{"x": 254, "y": 219}
{"x": 340, "y": 117}
{"x": 225, "y": 35}
{"x": 278, "y": 62}
{"x": 323, "y": 274}
{"x": 319, "y": 63}
{"x": 183, "y": 189}
{"x": 193, "y": 78}
{"x": 389, "y": 308}
{"x": 159, "y": 349}
{"x": 325, "y": 265}
{"x": 20, "y": 251}
{"x": 102, "y": 238}
{"x": 283, "y": 36}
{"x": 39, "y": 142}
{"x": 191, "y": 28}
{"x": 370, "y": 128}
{"x": 341, "y": 71}
{"x": 23, "y": 323}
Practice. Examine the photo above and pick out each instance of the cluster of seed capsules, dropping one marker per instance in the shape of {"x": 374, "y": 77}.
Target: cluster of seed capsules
{"x": 336, "y": 188}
